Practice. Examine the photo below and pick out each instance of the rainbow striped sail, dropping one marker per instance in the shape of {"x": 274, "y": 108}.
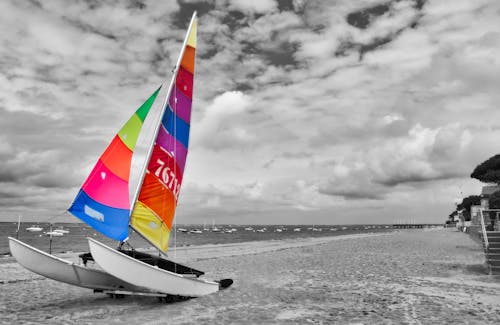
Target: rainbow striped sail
{"x": 156, "y": 200}
{"x": 103, "y": 201}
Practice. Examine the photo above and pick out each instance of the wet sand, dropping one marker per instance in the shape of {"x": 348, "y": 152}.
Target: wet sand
{"x": 407, "y": 277}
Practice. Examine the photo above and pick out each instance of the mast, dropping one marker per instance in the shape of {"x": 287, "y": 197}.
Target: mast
{"x": 158, "y": 123}
{"x": 18, "y": 226}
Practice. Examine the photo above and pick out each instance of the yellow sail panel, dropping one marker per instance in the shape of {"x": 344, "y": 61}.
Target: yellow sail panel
{"x": 192, "y": 35}
{"x": 150, "y": 226}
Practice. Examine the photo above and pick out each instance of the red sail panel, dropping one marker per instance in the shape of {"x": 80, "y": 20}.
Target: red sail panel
{"x": 184, "y": 82}
{"x": 163, "y": 166}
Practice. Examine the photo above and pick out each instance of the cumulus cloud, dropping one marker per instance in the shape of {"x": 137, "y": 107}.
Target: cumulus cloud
{"x": 223, "y": 123}
{"x": 299, "y": 107}
{"x": 256, "y": 6}
{"x": 424, "y": 155}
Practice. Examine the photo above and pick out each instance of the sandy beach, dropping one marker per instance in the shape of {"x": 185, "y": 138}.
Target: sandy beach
{"x": 404, "y": 277}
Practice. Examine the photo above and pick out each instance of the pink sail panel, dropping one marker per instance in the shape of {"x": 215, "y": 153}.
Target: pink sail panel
{"x": 106, "y": 188}
{"x": 170, "y": 144}
{"x": 180, "y": 104}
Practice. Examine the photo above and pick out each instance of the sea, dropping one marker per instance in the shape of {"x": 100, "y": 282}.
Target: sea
{"x": 183, "y": 235}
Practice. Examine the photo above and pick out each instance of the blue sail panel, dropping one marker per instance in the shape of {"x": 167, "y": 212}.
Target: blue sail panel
{"x": 176, "y": 126}
{"x": 111, "y": 222}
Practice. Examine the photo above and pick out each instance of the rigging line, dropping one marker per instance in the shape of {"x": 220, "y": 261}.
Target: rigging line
{"x": 175, "y": 169}
{"x": 161, "y": 237}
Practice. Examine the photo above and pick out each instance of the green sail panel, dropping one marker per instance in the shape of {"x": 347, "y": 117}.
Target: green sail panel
{"x": 130, "y": 131}
{"x": 143, "y": 111}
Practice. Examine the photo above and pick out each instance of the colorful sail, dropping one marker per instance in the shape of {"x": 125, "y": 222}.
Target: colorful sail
{"x": 103, "y": 201}
{"x": 154, "y": 208}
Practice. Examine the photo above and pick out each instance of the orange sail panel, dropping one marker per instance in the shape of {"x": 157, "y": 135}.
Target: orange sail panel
{"x": 188, "y": 59}
{"x": 154, "y": 209}
{"x": 158, "y": 199}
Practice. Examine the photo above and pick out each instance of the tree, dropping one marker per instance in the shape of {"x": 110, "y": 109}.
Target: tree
{"x": 488, "y": 171}
{"x": 452, "y": 215}
{"x": 467, "y": 203}
{"x": 494, "y": 200}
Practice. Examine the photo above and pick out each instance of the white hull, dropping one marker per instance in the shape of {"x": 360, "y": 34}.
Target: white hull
{"x": 65, "y": 271}
{"x": 144, "y": 275}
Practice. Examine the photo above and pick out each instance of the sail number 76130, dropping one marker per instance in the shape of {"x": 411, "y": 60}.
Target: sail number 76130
{"x": 167, "y": 176}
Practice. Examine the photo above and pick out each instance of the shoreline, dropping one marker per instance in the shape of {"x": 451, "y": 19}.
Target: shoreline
{"x": 69, "y": 253}
{"x": 209, "y": 251}
{"x": 75, "y": 240}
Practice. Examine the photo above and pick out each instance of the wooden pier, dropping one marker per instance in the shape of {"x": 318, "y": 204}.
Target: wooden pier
{"x": 414, "y": 226}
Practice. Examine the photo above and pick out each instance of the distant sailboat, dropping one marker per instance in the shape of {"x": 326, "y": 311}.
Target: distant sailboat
{"x": 54, "y": 233}
{"x": 103, "y": 201}
{"x": 34, "y": 229}
{"x": 205, "y": 227}
{"x": 61, "y": 230}
{"x": 214, "y": 227}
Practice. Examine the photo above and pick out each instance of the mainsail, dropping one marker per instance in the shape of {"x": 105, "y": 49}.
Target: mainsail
{"x": 156, "y": 199}
{"x": 103, "y": 200}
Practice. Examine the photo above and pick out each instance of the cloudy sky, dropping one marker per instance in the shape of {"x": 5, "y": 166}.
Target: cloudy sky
{"x": 317, "y": 112}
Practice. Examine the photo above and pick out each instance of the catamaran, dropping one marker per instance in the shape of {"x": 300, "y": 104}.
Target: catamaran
{"x": 103, "y": 203}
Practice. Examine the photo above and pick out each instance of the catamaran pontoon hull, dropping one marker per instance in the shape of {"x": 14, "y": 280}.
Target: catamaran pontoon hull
{"x": 144, "y": 275}
{"x": 56, "y": 268}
